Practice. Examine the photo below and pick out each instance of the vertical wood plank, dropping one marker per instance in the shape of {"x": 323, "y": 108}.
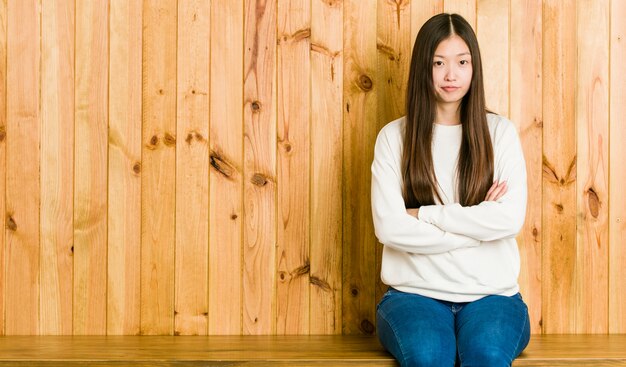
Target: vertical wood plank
{"x": 259, "y": 237}
{"x": 23, "y": 181}
{"x": 465, "y": 8}
{"x": 326, "y": 165}
{"x": 192, "y": 169}
{"x": 360, "y": 126}
{"x": 559, "y": 167}
{"x": 394, "y": 58}
{"x": 493, "y": 36}
{"x": 158, "y": 179}
{"x": 3, "y": 150}
{"x": 226, "y": 159}
{"x": 592, "y": 116}
{"x": 57, "y": 167}
{"x": 617, "y": 170}
{"x": 294, "y": 113}
{"x": 124, "y": 187}
{"x": 90, "y": 169}
{"x": 421, "y": 11}
{"x": 526, "y": 112}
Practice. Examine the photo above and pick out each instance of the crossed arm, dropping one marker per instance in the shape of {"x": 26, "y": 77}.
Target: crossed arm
{"x": 496, "y": 191}
{"x": 442, "y": 228}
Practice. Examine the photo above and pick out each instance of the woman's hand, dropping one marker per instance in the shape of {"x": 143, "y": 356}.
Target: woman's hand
{"x": 497, "y": 190}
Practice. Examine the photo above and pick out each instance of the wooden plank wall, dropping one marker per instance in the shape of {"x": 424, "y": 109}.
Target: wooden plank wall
{"x": 203, "y": 167}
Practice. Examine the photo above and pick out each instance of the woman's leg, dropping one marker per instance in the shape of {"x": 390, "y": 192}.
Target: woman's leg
{"x": 492, "y": 331}
{"x": 417, "y": 330}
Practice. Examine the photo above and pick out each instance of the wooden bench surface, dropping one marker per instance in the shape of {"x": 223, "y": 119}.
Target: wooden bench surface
{"x": 553, "y": 350}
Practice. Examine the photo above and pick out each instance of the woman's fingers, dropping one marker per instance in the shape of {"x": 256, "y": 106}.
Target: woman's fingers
{"x": 493, "y": 187}
{"x": 500, "y": 191}
{"x": 497, "y": 190}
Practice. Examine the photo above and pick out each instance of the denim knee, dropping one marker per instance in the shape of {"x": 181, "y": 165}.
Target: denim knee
{"x": 485, "y": 356}
{"x": 411, "y": 353}
{"x": 410, "y": 348}
{"x": 414, "y": 351}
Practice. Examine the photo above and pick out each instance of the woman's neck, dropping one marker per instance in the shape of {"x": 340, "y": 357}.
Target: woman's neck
{"x": 448, "y": 113}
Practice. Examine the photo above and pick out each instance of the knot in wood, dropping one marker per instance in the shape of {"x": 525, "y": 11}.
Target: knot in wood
{"x": 11, "y": 225}
{"x": 221, "y": 165}
{"x": 559, "y": 207}
{"x": 154, "y": 141}
{"x": 365, "y": 83}
{"x": 169, "y": 140}
{"x": 320, "y": 283}
{"x": 367, "y": 327}
{"x": 259, "y": 179}
{"x": 594, "y": 202}
{"x": 137, "y": 167}
{"x": 256, "y": 106}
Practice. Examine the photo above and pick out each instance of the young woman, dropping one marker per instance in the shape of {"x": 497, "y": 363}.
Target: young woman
{"x": 448, "y": 198}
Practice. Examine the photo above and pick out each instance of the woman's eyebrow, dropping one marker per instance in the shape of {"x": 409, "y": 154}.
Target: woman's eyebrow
{"x": 461, "y": 54}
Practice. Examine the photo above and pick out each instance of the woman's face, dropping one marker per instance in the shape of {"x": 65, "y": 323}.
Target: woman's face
{"x": 452, "y": 70}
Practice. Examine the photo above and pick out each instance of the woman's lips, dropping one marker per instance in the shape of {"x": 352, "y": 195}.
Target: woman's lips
{"x": 449, "y": 89}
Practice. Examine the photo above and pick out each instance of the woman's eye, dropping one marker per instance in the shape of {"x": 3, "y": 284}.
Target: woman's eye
{"x": 438, "y": 63}
{"x": 464, "y": 62}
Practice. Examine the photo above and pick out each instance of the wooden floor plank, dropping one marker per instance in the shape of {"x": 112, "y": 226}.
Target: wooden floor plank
{"x": 543, "y": 350}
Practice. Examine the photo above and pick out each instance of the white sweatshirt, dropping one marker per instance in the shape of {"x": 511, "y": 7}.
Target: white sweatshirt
{"x": 451, "y": 253}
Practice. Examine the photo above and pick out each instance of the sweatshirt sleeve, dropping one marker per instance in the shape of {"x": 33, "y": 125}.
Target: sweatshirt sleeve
{"x": 393, "y": 226}
{"x": 490, "y": 220}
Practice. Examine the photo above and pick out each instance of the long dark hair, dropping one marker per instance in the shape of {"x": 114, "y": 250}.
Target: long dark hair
{"x": 475, "y": 164}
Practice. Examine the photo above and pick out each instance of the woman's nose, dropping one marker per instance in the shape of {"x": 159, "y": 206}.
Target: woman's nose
{"x": 450, "y": 74}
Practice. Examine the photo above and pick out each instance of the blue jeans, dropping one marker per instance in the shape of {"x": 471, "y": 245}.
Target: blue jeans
{"x": 421, "y": 331}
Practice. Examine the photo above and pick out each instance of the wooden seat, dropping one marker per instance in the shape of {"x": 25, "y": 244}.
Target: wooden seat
{"x": 552, "y": 350}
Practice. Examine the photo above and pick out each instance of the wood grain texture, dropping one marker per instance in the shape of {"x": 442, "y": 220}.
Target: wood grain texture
{"x": 394, "y": 59}
{"x": 526, "y": 112}
{"x": 200, "y": 351}
{"x": 617, "y": 169}
{"x": 192, "y": 170}
{"x": 492, "y": 23}
{"x": 360, "y": 126}
{"x": 260, "y": 217}
{"x": 158, "y": 178}
{"x": 293, "y": 150}
{"x": 57, "y": 167}
{"x": 559, "y": 167}
{"x": 226, "y": 185}
{"x": 124, "y": 187}
{"x": 280, "y": 101}
{"x": 90, "y": 168}
{"x": 3, "y": 149}
{"x": 465, "y": 8}
{"x": 22, "y": 167}
{"x": 543, "y": 350}
{"x": 327, "y": 74}
{"x": 592, "y": 116}
{"x": 421, "y": 11}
